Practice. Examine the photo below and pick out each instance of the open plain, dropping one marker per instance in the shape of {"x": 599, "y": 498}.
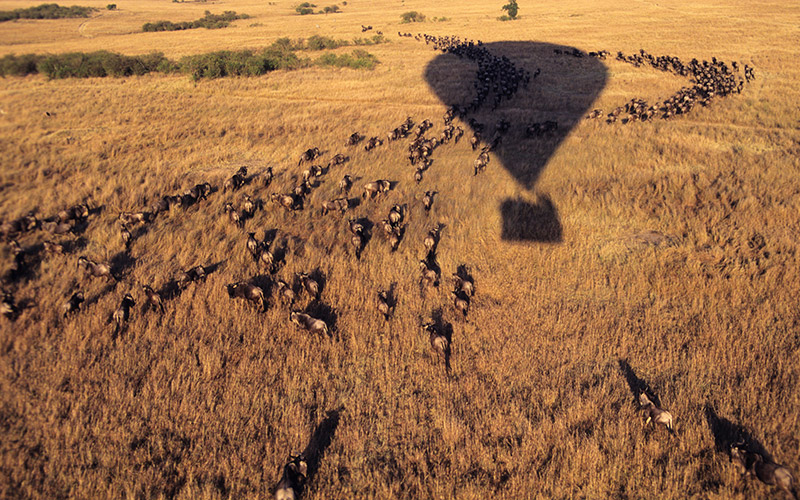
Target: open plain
{"x": 607, "y": 259}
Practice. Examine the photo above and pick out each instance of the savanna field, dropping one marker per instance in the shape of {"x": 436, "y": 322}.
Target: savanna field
{"x": 608, "y": 259}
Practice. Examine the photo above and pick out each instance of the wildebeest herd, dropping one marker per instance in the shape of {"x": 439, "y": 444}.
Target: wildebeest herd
{"x": 497, "y": 79}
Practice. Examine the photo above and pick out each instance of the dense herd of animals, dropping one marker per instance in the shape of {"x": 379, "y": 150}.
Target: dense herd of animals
{"x": 497, "y": 77}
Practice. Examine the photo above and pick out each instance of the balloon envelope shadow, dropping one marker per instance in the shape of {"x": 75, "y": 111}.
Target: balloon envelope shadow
{"x": 563, "y": 92}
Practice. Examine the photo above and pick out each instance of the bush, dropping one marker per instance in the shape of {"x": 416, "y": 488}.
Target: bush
{"x": 305, "y": 8}
{"x": 239, "y": 63}
{"x": 46, "y": 11}
{"x": 512, "y": 8}
{"x": 358, "y": 59}
{"x": 12, "y": 65}
{"x": 111, "y": 6}
{"x": 331, "y": 9}
{"x": 412, "y": 17}
{"x": 209, "y": 21}
{"x": 100, "y": 64}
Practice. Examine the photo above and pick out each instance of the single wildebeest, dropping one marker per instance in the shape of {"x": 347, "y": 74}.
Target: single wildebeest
{"x": 96, "y": 270}
{"x": 123, "y": 313}
{"x": 431, "y": 240}
{"x": 312, "y": 171}
{"x": 355, "y": 226}
{"x": 306, "y": 322}
{"x": 309, "y": 284}
{"x": 266, "y": 176}
{"x": 53, "y": 248}
{"x": 234, "y": 216}
{"x": 125, "y": 235}
{"x": 754, "y": 464}
{"x": 655, "y": 414}
{"x": 287, "y": 201}
{"x": 354, "y": 139}
{"x": 464, "y": 284}
{"x": 253, "y": 246}
{"x": 132, "y": 218}
{"x": 387, "y": 226}
{"x": 439, "y": 342}
{"x": 73, "y": 304}
{"x": 235, "y": 181}
{"x": 418, "y": 175}
{"x": 153, "y": 299}
{"x": 338, "y": 159}
{"x": 292, "y": 480}
{"x": 267, "y": 258}
{"x": 248, "y": 292}
{"x": 56, "y": 227}
{"x": 475, "y": 140}
{"x": 358, "y": 241}
{"x": 481, "y": 162}
{"x": 396, "y": 214}
{"x": 429, "y": 272}
{"x": 384, "y": 305}
{"x": 186, "y": 278}
{"x": 310, "y": 154}
{"x": 248, "y": 206}
{"x": 396, "y": 237}
{"x": 427, "y": 200}
{"x": 460, "y": 301}
{"x": 340, "y": 204}
{"x": 373, "y": 188}
{"x": 285, "y": 292}
{"x": 8, "y": 308}
{"x": 345, "y": 184}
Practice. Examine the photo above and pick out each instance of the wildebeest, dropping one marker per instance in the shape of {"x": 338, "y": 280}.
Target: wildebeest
{"x": 373, "y": 188}
{"x": 234, "y": 215}
{"x": 73, "y": 304}
{"x": 125, "y": 235}
{"x": 372, "y": 143}
{"x": 754, "y": 464}
{"x": 460, "y": 301}
{"x": 248, "y": 206}
{"x": 464, "y": 284}
{"x": 655, "y": 414}
{"x": 133, "y": 218}
{"x": 310, "y": 154}
{"x": 249, "y": 292}
{"x": 340, "y": 204}
{"x": 354, "y": 139}
{"x": 309, "y": 284}
{"x": 313, "y": 171}
{"x": 306, "y": 322}
{"x": 123, "y": 313}
{"x": 185, "y": 278}
{"x": 439, "y": 341}
{"x": 345, "y": 184}
{"x": 481, "y": 162}
{"x": 385, "y": 306}
{"x": 153, "y": 299}
{"x": 7, "y": 306}
{"x": 427, "y": 200}
{"x": 285, "y": 292}
{"x": 396, "y": 214}
{"x": 266, "y": 176}
{"x": 96, "y": 270}
{"x": 253, "y": 245}
{"x": 235, "y": 181}
{"x": 53, "y": 248}
{"x": 431, "y": 240}
{"x": 292, "y": 479}
{"x": 338, "y": 159}
{"x": 358, "y": 241}
{"x": 430, "y": 274}
{"x": 287, "y": 201}
{"x": 396, "y": 237}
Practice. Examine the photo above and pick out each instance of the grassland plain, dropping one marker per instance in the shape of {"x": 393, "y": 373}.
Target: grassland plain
{"x": 208, "y": 400}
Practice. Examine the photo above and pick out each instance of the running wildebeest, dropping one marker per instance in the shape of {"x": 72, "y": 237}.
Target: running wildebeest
{"x": 293, "y": 479}
{"x": 96, "y": 270}
{"x": 655, "y": 414}
{"x": 248, "y": 292}
{"x": 306, "y": 322}
{"x": 122, "y": 314}
{"x": 153, "y": 299}
{"x": 73, "y": 304}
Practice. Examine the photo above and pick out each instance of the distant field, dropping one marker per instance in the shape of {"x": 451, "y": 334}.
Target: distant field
{"x": 670, "y": 258}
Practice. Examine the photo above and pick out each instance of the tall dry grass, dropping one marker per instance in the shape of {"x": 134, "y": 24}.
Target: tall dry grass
{"x": 208, "y": 400}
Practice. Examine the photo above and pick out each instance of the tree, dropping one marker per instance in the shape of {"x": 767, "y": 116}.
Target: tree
{"x": 512, "y": 8}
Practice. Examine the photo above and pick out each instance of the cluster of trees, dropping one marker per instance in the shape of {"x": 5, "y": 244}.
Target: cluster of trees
{"x": 46, "y": 11}
{"x": 209, "y": 21}
{"x": 306, "y": 8}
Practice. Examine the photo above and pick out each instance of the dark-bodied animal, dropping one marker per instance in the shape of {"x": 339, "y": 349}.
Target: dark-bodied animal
{"x": 309, "y": 323}
{"x": 253, "y": 245}
{"x": 73, "y": 304}
{"x": 266, "y": 176}
{"x": 152, "y": 299}
{"x": 396, "y": 214}
{"x": 754, "y": 464}
{"x": 234, "y": 215}
{"x": 8, "y": 308}
{"x": 464, "y": 284}
{"x": 287, "y": 201}
{"x": 123, "y": 313}
{"x": 285, "y": 292}
{"x": 310, "y": 154}
{"x": 427, "y": 200}
{"x": 345, "y": 184}
{"x": 461, "y": 301}
{"x": 439, "y": 342}
{"x": 396, "y": 237}
{"x": 384, "y": 305}
{"x": 94, "y": 269}
{"x": 248, "y": 206}
{"x": 248, "y": 292}
{"x": 125, "y": 235}
{"x": 429, "y": 272}
{"x": 655, "y": 414}
{"x": 292, "y": 480}
{"x": 309, "y": 284}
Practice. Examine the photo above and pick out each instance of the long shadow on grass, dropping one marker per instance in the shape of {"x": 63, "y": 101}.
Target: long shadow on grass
{"x": 563, "y": 92}
{"x": 320, "y": 441}
{"x": 637, "y": 385}
{"x": 726, "y": 434}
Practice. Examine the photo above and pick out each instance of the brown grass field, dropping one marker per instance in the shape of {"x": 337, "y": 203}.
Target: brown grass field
{"x": 209, "y": 399}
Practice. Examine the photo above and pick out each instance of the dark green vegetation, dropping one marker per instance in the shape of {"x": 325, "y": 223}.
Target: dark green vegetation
{"x": 412, "y": 17}
{"x": 209, "y": 21}
{"x": 46, "y": 11}
{"x": 279, "y": 55}
{"x": 512, "y": 8}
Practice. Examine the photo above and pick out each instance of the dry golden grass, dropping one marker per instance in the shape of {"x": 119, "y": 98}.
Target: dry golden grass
{"x": 209, "y": 400}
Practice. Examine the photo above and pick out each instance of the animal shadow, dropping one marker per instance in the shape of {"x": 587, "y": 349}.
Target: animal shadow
{"x": 121, "y": 263}
{"x": 636, "y": 384}
{"x": 726, "y": 434}
{"x": 326, "y": 313}
{"x": 320, "y": 441}
{"x": 562, "y": 92}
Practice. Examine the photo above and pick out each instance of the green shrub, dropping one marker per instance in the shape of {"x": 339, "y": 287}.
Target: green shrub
{"x": 209, "y": 21}
{"x": 358, "y": 59}
{"x": 46, "y": 11}
{"x": 512, "y": 8}
{"x": 412, "y": 17}
{"x": 305, "y": 8}
{"x": 111, "y": 6}
{"x": 101, "y": 63}
{"x": 331, "y": 9}
{"x": 12, "y": 65}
